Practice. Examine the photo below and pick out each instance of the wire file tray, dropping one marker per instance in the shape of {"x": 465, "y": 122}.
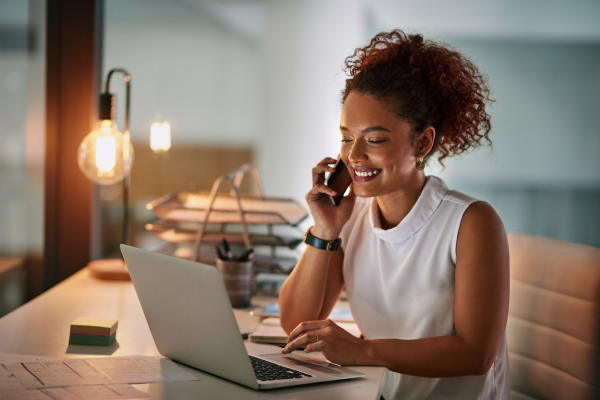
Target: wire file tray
{"x": 183, "y": 214}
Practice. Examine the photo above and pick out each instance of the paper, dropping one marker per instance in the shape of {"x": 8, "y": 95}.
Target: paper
{"x": 95, "y": 324}
{"x": 96, "y": 371}
{"x": 12, "y": 389}
{"x": 95, "y": 392}
{"x": 6, "y": 357}
{"x": 71, "y": 393}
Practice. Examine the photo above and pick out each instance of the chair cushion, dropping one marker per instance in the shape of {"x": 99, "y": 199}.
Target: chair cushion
{"x": 553, "y": 331}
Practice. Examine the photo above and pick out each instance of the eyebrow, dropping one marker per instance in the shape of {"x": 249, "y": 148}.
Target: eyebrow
{"x": 369, "y": 129}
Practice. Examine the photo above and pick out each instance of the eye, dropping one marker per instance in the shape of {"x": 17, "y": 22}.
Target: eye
{"x": 376, "y": 141}
{"x": 346, "y": 140}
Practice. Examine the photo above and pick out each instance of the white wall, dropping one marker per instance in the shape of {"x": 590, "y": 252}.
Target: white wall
{"x": 545, "y": 122}
{"x": 304, "y": 48}
{"x": 187, "y": 67}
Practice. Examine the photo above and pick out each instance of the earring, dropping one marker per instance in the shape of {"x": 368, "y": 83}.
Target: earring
{"x": 420, "y": 164}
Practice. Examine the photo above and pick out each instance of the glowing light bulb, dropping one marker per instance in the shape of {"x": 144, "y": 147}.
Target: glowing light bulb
{"x": 105, "y": 155}
{"x": 160, "y": 137}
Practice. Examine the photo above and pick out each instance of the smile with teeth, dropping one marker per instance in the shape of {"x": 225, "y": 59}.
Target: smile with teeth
{"x": 369, "y": 173}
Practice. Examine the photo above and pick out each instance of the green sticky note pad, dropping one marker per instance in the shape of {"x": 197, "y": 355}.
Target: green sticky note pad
{"x": 86, "y": 342}
{"x": 94, "y": 338}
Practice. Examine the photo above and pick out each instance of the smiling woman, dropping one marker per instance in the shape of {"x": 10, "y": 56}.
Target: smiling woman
{"x": 425, "y": 268}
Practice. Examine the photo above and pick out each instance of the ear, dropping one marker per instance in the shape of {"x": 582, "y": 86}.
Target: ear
{"x": 425, "y": 142}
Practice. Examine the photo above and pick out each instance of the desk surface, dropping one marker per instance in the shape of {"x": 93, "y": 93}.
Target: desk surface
{"x": 41, "y": 328}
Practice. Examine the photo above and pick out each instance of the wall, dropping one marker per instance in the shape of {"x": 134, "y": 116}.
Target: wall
{"x": 188, "y": 67}
{"x": 304, "y": 48}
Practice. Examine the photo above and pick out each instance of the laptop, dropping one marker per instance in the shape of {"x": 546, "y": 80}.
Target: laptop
{"x": 192, "y": 322}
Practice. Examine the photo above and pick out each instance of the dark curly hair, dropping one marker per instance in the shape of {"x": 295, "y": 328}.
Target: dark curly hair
{"x": 426, "y": 84}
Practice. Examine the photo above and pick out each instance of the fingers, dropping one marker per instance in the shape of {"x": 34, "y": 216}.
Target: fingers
{"x": 319, "y": 189}
{"x": 321, "y": 345}
{"x": 305, "y": 327}
{"x": 318, "y": 172}
{"x": 303, "y": 340}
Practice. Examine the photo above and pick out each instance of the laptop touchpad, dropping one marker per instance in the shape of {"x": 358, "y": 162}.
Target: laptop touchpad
{"x": 310, "y": 364}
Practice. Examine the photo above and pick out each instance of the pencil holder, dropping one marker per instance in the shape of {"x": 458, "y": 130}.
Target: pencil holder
{"x": 237, "y": 277}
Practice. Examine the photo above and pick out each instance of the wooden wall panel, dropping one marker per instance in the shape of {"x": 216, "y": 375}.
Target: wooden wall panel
{"x": 73, "y": 79}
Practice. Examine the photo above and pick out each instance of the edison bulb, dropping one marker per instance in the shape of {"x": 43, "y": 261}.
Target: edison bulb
{"x": 160, "y": 137}
{"x": 103, "y": 156}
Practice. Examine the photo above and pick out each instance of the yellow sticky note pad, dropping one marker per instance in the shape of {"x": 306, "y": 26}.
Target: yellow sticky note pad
{"x": 95, "y": 324}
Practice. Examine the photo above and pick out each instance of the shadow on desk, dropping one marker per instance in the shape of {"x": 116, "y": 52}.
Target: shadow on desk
{"x": 94, "y": 350}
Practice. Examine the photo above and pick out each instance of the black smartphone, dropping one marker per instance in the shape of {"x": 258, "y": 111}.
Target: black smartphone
{"x": 338, "y": 180}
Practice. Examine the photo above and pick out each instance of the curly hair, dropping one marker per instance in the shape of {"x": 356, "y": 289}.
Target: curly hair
{"x": 426, "y": 84}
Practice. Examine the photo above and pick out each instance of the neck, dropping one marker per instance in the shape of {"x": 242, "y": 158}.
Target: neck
{"x": 395, "y": 206}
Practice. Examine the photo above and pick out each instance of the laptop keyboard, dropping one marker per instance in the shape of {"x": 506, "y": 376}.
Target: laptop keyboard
{"x": 267, "y": 371}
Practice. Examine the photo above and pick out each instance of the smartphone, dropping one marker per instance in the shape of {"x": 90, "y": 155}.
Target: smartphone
{"x": 338, "y": 180}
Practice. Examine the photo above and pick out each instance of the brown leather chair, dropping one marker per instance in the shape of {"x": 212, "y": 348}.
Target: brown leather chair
{"x": 553, "y": 332}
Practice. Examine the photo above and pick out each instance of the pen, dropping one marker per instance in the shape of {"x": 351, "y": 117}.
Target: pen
{"x": 219, "y": 253}
{"x": 227, "y": 250}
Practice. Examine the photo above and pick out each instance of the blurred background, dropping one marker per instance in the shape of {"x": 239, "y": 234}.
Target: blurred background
{"x": 259, "y": 81}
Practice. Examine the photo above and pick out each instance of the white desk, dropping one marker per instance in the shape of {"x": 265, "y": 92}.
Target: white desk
{"x": 41, "y": 327}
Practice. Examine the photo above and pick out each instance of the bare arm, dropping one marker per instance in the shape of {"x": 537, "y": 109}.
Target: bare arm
{"x": 480, "y": 314}
{"x": 312, "y": 288}
{"x": 315, "y": 284}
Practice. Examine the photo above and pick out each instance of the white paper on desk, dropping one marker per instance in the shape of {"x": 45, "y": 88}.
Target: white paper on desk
{"x": 95, "y": 392}
{"x": 9, "y": 358}
{"x": 93, "y": 371}
{"x": 23, "y": 394}
{"x": 12, "y": 389}
{"x": 141, "y": 369}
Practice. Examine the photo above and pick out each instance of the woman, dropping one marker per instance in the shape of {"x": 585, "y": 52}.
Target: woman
{"x": 425, "y": 268}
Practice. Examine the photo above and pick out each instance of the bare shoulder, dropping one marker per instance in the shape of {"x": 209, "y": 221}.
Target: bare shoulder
{"x": 481, "y": 232}
{"x": 480, "y": 218}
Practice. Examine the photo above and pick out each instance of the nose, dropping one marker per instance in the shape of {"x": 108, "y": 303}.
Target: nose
{"x": 357, "y": 153}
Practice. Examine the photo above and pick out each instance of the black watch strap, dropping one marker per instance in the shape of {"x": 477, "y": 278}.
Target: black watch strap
{"x": 329, "y": 245}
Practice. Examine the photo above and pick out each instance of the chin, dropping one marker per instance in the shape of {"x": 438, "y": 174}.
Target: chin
{"x": 362, "y": 191}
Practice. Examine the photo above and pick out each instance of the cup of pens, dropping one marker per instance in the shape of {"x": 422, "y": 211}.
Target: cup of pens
{"x": 237, "y": 273}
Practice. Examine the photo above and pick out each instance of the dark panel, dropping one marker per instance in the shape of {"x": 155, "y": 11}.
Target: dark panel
{"x": 72, "y": 87}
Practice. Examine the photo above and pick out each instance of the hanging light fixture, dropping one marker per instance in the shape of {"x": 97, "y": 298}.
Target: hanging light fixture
{"x": 160, "y": 137}
{"x": 105, "y": 157}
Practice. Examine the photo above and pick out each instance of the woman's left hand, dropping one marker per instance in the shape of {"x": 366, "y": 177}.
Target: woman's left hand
{"x": 336, "y": 344}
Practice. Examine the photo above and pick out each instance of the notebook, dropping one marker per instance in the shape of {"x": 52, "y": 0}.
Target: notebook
{"x": 337, "y": 314}
{"x": 271, "y": 332}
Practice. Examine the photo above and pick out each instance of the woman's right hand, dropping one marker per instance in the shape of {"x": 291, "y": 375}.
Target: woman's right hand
{"x": 329, "y": 219}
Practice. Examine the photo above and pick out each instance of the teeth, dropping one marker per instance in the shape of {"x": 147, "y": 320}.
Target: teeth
{"x": 370, "y": 173}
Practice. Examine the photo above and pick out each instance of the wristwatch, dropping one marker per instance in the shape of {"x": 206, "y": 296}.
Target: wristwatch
{"x": 329, "y": 245}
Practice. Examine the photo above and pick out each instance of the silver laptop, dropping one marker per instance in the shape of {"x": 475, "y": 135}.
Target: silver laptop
{"x": 191, "y": 320}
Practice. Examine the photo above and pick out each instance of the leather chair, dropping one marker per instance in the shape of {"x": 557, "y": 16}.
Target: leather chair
{"x": 553, "y": 332}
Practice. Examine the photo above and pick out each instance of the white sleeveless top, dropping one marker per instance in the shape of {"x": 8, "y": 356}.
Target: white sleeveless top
{"x": 400, "y": 284}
